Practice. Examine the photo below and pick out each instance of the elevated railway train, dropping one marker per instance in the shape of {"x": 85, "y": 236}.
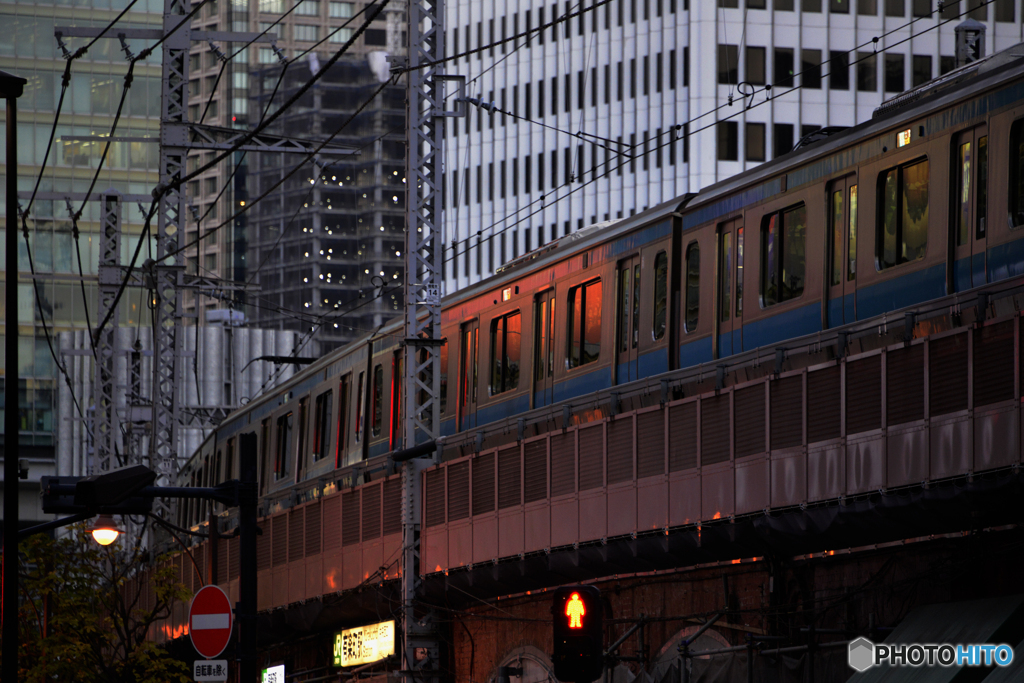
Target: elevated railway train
{"x": 924, "y": 200}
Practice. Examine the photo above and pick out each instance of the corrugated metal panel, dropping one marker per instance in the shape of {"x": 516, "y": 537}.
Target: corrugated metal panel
{"x": 714, "y": 429}
{"x": 535, "y": 464}
{"x": 620, "y": 450}
{"x": 435, "y": 497}
{"x": 280, "y": 536}
{"x": 749, "y": 420}
{"x": 563, "y": 464}
{"x": 864, "y": 395}
{"x": 332, "y": 522}
{"x": 993, "y": 359}
{"x": 263, "y": 549}
{"x": 199, "y": 556}
{"x": 787, "y": 408}
{"x": 371, "y": 512}
{"x": 650, "y": 444}
{"x": 509, "y": 476}
{"x": 234, "y": 564}
{"x": 313, "y": 529}
{"x": 591, "y": 458}
{"x": 947, "y": 375}
{"x": 458, "y": 491}
{"x": 904, "y": 380}
{"x": 349, "y": 517}
{"x": 824, "y": 404}
{"x": 222, "y": 562}
{"x": 682, "y": 437}
{"x": 392, "y": 506}
{"x": 483, "y": 484}
{"x": 296, "y": 522}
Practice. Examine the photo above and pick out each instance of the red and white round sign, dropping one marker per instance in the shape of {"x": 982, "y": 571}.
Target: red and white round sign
{"x": 209, "y": 621}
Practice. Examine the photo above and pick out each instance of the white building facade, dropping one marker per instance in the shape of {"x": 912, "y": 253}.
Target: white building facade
{"x": 636, "y": 102}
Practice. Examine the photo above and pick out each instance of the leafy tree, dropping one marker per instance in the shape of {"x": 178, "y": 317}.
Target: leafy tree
{"x": 83, "y": 619}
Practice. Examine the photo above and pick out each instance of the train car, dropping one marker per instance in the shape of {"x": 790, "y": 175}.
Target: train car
{"x": 924, "y": 200}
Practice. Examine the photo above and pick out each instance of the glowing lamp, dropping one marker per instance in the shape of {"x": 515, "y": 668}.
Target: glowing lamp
{"x": 104, "y": 530}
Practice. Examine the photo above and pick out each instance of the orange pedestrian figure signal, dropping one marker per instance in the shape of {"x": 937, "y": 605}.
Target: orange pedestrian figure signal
{"x": 574, "y": 609}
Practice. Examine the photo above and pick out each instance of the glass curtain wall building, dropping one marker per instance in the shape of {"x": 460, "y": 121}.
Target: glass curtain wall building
{"x": 64, "y": 297}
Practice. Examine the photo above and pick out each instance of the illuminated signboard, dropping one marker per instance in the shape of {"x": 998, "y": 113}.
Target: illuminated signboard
{"x": 903, "y": 138}
{"x": 274, "y": 674}
{"x": 364, "y": 644}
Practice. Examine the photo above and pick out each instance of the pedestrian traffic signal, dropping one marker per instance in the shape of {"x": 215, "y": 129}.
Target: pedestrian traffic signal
{"x": 579, "y": 634}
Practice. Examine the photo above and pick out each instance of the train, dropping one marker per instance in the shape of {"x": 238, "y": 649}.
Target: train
{"x": 924, "y": 200}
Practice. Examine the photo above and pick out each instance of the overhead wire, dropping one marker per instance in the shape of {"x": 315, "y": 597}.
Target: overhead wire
{"x": 765, "y": 90}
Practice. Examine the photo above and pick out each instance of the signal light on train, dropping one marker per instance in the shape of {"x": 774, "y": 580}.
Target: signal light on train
{"x": 578, "y": 634}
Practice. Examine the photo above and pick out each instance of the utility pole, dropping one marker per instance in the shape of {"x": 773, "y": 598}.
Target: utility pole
{"x": 425, "y": 120}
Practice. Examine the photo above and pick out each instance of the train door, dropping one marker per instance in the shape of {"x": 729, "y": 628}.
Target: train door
{"x": 968, "y": 217}
{"x": 469, "y": 334}
{"x": 730, "y": 288}
{"x": 627, "y": 307}
{"x": 544, "y": 348}
{"x": 841, "y": 264}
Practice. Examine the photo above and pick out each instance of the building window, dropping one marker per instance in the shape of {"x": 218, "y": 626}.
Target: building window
{"x": 946, "y": 64}
{"x": 584, "y": 324}
{"x": 309, "y": 8}
{"x": 728, "y": 64}
{"x": 506, "y": 343}
{"x": 1005, "y": 10}
{"x": 903, "y": 214}
{"x": 340, "y": 10}
{"x": 728, "y": 146}
{"x": 810, "y": 5}
{"x": 922, "y": 65}
{"x": 839, "y": 70}
{"x": 692, "y": 293}
{"x": 783, "y": 67}
{"x": 895, "y": 8}
{"x": 839, "y": 6}
{"x": 755, "y": 67}
{"x": 867, "y": 72}
{"x": 322, "y": 426}
{"x": 782, "y": 139}
{"x": 783, "y": 258}
{"x": 1016, "y": 189}
{"x": 306, "y": 33}
{"x": 375, "y": 36}
{"x": 810, "y": 68}
{"x": 894, "y": 80}
{"x": 868, "y": 8}
{"x": 755, "y": 142}
{"x": 341, "y": 35}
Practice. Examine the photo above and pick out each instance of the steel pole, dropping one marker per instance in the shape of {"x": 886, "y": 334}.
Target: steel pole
{"x": 13, "y": 90}
{"x": 247, "y": 501}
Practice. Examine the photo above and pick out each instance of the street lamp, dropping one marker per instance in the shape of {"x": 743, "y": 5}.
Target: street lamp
{"x": 105, "y": 530}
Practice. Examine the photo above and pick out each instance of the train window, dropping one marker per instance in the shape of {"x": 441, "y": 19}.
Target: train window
{"x": 506, "y": 336}
{"x": 360, "y": 398}
{"x": 396, "y": 398}
{"x": 725, "y": 268}
{"x": 229, "y": 465}
{"x": 264, "y": 452}
{"x": 971, "y": 167}
{"x": 444, "y": 376}
{"x": 584, "y": 323}
{"x": 629, "y": 281}
{"x": 1016, "y": 189}
{"x": 902, "y": 233}
{"x": 739, "y": 271}
{"x": 851, "y": 271}
{"x": 692, "y": 287}
{"x": 322, "y": 425}
{"x": 303, "y": 421}
{"x": 660, "y": 294}
{"x": 377, "y": 410}
{"x": 837, "y": 236}
{"x": 285, "y": 424}
{"x": 783, "y": 258}
{"x": 343, "y": 389}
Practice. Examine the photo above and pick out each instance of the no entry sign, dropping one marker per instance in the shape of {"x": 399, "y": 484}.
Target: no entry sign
{"x": 209, "y": 621}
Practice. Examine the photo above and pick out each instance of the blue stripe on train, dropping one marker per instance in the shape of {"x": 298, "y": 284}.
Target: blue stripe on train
{"x": 650, "y": 363}
{"x": 695, "y": 352}
{"x": 794, "y": 323}
{"x": 912, "y": 288}
{"x": 1006, "y": 260}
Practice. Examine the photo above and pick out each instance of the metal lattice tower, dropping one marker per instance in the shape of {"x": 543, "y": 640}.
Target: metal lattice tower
{"x": 423, "y": 256}
{"x": 109, "y": 272}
